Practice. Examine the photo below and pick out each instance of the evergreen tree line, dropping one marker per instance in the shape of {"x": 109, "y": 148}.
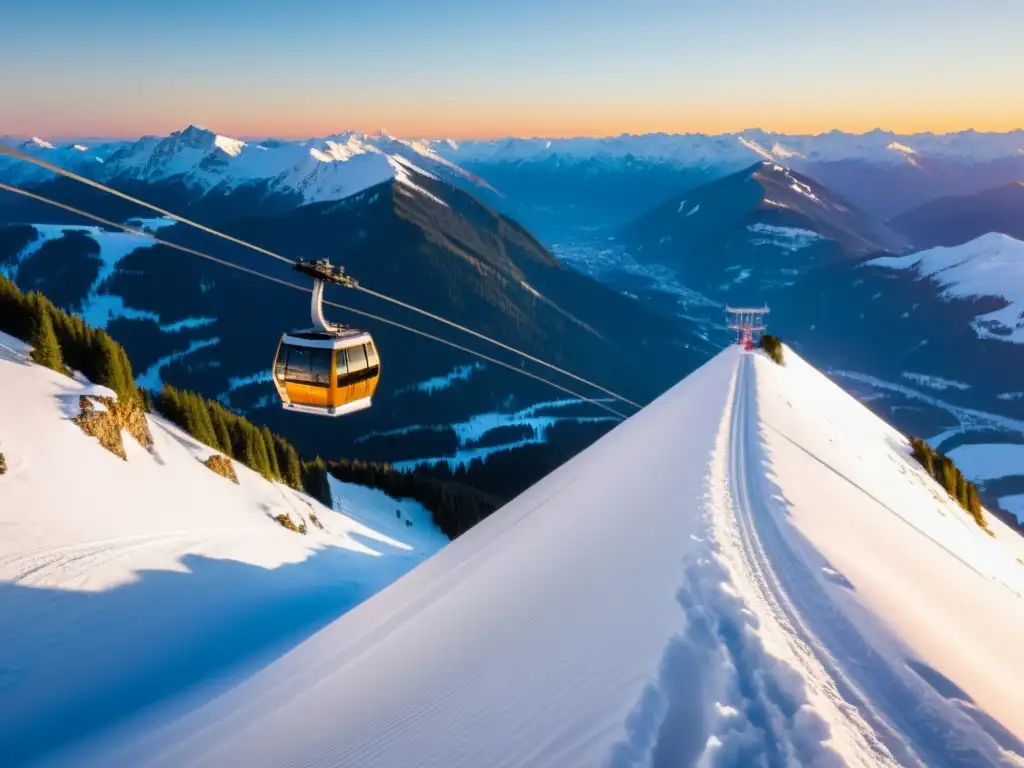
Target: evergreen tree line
{"x": 946, "y": 474}
{"x": 63, "y": 341}
{"x": 224, "y": 430}
{"x": 454, "y": 507}
{"x": 772, "y": 345}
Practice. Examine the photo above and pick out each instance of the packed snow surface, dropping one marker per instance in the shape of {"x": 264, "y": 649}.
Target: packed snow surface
{"x": 750, "y": 571}
{"x": 124, "y": 582}
{"x": 992, "y": 266}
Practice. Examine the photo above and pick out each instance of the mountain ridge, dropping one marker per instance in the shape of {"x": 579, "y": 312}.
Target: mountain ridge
{"x": 790, "y": 222}
{"x": 956, "y": 219}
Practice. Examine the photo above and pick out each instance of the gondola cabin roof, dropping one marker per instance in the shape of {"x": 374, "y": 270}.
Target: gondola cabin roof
{"x": 340, "y": 339}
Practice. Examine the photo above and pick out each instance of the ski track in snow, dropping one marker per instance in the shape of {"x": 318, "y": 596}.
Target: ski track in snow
{"x": 894, "y": 712}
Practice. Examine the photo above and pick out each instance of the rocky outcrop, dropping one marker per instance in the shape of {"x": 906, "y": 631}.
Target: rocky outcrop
{"x": 222, "y": 466}
{"x": 106, "y": 417}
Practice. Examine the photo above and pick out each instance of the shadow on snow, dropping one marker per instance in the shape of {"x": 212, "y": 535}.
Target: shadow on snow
{"x": 75, "y": 662}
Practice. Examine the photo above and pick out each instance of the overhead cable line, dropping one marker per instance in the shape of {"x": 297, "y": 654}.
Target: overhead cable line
{"x": 304, "y": 289}
{"x": 11, "y": 152}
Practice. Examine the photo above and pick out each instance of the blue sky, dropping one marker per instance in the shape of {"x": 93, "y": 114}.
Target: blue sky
{"x": 459, "y": 68}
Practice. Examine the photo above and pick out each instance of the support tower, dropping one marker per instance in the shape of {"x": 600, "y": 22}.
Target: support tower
{"x": 747, "y": 322}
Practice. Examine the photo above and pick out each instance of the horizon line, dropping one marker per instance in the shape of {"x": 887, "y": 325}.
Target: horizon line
{"x": 254, "y": 137}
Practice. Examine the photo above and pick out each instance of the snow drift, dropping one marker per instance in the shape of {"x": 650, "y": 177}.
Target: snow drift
{"x": 122, "y": 582}
{"x": 752, "y": 570}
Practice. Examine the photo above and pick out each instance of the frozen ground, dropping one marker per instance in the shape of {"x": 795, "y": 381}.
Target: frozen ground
{"x": 125, "y": 582}
{"x": 750, "y": 571}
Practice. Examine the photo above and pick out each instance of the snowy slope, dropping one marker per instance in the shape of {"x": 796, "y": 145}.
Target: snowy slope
{"x": 750, "y": 571}
{"x": 992, "y": 267}
{"x": 124, "y": 582}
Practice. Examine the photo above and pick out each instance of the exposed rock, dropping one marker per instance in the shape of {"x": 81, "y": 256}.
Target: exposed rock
{"x": 222, "y": 466}
{"x": 105, "y": 423}
{"x": 286, "y": 521}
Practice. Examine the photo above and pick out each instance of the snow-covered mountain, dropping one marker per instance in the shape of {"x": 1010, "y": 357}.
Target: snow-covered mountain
{"x": 752, "y": 230}
{"x": 742, "y": 147}
{"x": 204, "y": 162}
{"x": 80, "y": 158}
{"x": 753, "y": 570}
{"x": 988, "y": 268}
{"x": 125, "y": 581}
{"x": 559, "y": 187}
{"x": 553, "y": 186}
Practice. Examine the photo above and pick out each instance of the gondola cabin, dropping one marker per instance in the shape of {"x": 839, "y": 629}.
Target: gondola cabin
{"x": 326, "y": 373}
{"x": 328, "y": 369}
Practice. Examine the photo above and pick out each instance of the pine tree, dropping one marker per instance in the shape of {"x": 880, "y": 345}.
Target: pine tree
{"x": 314, "y": 480}
{"x": 974, "y": 504}
{"x": 169, "y": 405}
{"x": 199, "y": 424}
{"x": 262, "y": 459}
{"x": 46, "y": 351}
{"x": 109, "y": 370}
{"x": 948, "y": 472}
{"x": 268, "y": 443}
{"x": 961, "y": 490}
{"x": 250, "y": 448}
{"x": 237, "y": 430}
{"x": 288, "y": 462}
{"x": 127, "y": 375}
{"x": 220, "y": 427}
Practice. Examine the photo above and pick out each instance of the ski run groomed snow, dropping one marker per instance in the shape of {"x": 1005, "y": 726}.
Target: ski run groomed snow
{"x": 750, "y": 571}
{"x": 124, "y": 582}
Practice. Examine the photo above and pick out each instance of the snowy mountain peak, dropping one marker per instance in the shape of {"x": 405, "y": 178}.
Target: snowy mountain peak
{"x": 35, "y": 140}
{"x": 193, "y": 131}
{"x": 230, "y": 146}
{"x": 331, "y": 168}
{"x": 895, "y": 146}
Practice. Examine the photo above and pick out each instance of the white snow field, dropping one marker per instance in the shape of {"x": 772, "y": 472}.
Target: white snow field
{"x": 750, "y": 571}
{"x": 123, "y": 582}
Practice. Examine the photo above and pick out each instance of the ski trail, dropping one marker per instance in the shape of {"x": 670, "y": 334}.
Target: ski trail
{"x": 881, "y": 700}
{"x": 776, "y": 705}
